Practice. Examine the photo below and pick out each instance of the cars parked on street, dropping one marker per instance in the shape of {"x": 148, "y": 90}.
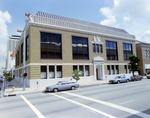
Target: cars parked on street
{"x": 62, "y": 85}
{"x": 136, "y": 78}
{"x": 120, "y": 79}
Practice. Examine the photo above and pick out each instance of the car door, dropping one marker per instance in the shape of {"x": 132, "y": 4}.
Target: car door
{"x": 123, "y": 79}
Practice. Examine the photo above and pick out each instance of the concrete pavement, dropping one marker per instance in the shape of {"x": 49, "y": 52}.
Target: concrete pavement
{"x": 19, "y": 87}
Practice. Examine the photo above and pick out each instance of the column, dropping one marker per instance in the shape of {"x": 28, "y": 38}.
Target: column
{"x": 47, "y": 71}
{"x": 95, "y": 71}
{"x": 55, "y": 71}
{"x": 84, "y": 69}
{"x": 78, "y": 67}
{"x": 103, "y": 71}
{"x": 110, "y": 70}
{"x": 127, "y": 69}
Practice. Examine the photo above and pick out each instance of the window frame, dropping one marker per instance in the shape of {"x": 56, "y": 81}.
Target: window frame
{"x": 55, "y": 48}
{"x": 79, "y": 49}
{"x": 127, "y": 51}
{"x": 115, "y": 50}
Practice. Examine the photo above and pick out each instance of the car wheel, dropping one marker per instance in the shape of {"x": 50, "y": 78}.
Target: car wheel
{"x": 127, "y": 80}
{"x": 55, "y": 90}
{"x": 118, "y": 82}
{"x": 72, "y": 88}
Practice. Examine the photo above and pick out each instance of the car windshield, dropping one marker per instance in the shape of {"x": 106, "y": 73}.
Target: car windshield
{"x": 117, "y": 77}
{"x": 59, "y": 83}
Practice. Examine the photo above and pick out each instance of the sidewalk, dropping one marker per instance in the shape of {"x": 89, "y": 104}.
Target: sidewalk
{"x": 19, "y": 88}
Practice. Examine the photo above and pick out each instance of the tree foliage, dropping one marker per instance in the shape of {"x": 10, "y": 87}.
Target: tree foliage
{"x": 7, "y": 76}
{"x": 76, "y": 75}
{"x": 133, "y": 65}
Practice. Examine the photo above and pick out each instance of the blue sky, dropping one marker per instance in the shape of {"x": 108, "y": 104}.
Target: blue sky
{"x": 131, "y": 15}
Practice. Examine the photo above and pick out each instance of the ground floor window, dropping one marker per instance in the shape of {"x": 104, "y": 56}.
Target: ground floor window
{"x": 51, "y": 72}
{"x": 43, "y": 72}
{"x": 59, "y": 71}
{"x": 112, "y": 69}
{"x": 117, "y": 69}
{"x": 54, "y": 72}
{"x": 83, "y": 69}
{"x": 86, "y": 70}
{"x": 108, "y": 70}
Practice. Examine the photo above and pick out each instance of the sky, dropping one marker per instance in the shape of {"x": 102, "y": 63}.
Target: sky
{"x": 130, "y": 15}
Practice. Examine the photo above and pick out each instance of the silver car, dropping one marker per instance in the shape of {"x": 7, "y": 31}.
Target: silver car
{"x": 119, "y": 79}
{"x": 62, "y": 85}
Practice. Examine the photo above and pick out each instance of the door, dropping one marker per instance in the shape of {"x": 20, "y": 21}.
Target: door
{"x": 96, "y": 73}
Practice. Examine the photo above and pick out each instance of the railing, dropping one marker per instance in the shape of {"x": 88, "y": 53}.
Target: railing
{"x": 78, "y": 26}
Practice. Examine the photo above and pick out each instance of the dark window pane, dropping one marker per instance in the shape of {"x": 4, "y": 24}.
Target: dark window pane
{"x": 74, "y": 68}
{"x": 43, "y": 72}
{"x": 51, "y": 72}
{"x": 51, "y": 46}
{"x": 127, "y": 50}
{"x": 111, "y": 50}
{"x": 86, "y": 70}
{"x": 80, "y": 48}
{"x": 59, "y": 71}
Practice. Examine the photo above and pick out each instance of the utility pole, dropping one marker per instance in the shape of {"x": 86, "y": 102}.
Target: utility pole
{"x": 24, "y": 53}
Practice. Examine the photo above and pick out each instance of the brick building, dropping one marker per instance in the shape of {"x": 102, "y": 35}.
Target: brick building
{"x": 52, "y": 46}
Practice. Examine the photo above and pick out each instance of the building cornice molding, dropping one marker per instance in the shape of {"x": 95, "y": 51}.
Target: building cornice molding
{"x": 80, "y": 31}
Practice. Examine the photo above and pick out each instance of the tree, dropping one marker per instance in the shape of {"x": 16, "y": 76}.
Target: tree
{"x": 76, "y": 75}
{"x": 133, "y": 65}
{"x": 7, "y": 76}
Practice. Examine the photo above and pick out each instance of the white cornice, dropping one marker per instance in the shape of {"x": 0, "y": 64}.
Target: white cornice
{"x": 80, "y": 31}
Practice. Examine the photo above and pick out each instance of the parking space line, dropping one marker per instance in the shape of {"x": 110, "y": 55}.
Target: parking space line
{"x": 32, "y": 107}
{"x": 127, "y": 102}
{"x": 98, "y": 111}
{"x": 135, "y": 112}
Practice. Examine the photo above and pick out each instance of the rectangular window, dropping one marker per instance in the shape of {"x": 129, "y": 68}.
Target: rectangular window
{"x": 80, "y": 48}
{"x": 113, "y": 69}
{"x": 117, "y": 69}
{"x": 59, "y": 71}
{"x": 97, "y": 48}
{"x": 81, "y": 70}
{"x": 148, "y": 54}
{"x": 94, "y": 48}
{"x": 43, "y": 72}
{"x": 51, "y": 72}
{"x": 22, "y": 53}
{"x": 125, "y": 68}
{"x": 145, "y": 54}
{"x": 86, "y": 70}
{"x": 127, "y": 50}
{"x": 111, "y": 50}
{"x": 75, "y": 68}
{"x": 51, "y": 46}
{"x": 27, "y": 47}
{"x": 108, "y": 70}
{"x": 18, "y": 58}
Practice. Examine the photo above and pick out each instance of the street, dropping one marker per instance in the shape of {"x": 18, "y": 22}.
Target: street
{"x": 125, "y": 100}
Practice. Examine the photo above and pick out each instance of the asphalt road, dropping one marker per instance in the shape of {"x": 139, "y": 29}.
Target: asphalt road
{"x": 126, "y": 100}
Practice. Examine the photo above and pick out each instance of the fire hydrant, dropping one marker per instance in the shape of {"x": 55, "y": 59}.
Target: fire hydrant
{"x": 13, "y": 89}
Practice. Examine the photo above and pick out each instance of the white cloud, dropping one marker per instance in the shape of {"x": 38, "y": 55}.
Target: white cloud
{"x": 131, "y": 15}
{"x": 4, "y": 19}
{"x": 126, "y": 19}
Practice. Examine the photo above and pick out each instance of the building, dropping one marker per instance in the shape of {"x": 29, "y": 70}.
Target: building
{"x": 143, "y": 51}
{"x": 54, "y": 46}
{"x": 11, "y": 45}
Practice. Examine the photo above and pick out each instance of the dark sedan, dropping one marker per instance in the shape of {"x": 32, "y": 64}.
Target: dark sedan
{"x": 136, "y": 78}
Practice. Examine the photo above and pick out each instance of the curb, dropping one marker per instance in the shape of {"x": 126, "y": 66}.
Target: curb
{"x": 16, "y": 94}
